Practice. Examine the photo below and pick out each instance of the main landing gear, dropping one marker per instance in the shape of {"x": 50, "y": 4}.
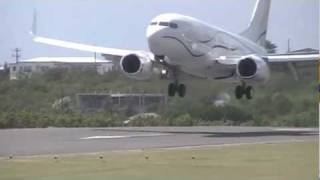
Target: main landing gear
{"x": 242, "y": 90}
{"x": 174, "y": 88}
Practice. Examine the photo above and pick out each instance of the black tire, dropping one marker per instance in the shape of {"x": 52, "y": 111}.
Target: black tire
{"x": 239, "y": 92}
{"x": 182, "y": 90}
{"x": 172, "y": 88}
{"x": 249, "y": 92}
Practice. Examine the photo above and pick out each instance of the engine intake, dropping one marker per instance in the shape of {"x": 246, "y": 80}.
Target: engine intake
{"x": 253, "y": 68}
{"x": 136, "y": 66}
{"x": 131, "y": 63}
{"x": 247, "y": 67}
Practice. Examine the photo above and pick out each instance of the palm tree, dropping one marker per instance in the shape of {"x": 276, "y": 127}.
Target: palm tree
{"x": 271, "y": 47}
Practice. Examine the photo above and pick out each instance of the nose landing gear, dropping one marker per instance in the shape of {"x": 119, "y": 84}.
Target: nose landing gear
{"x": 242, "y": 90}
{"x": 174, "y": 88}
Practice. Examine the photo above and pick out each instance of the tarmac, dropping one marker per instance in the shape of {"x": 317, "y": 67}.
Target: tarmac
{"x": 52, "y": 141}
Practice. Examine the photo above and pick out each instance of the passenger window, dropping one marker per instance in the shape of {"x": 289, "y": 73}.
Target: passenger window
{"x": 171, "y": 25}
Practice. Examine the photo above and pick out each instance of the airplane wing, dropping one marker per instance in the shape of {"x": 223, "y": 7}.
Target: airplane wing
{"x": 82, "y": 47}
{"x": 281, "y": 62}
{"x": 275, "y": 59}
{"x": 294, "y": 63}
{"x": 111, "y": 53}
{"x": 293, "y": 58}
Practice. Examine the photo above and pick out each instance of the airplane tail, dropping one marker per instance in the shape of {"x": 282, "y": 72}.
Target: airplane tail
{"x": 257, "y": 30}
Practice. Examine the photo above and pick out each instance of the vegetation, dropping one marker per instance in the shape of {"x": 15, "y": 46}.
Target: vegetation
{"x": 36, "y": 102}
{"x": 285, "y": 161}
{"x": 271, "y": 47}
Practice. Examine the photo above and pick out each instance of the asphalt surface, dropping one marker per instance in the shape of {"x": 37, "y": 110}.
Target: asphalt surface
{"x": 24, "y": 142}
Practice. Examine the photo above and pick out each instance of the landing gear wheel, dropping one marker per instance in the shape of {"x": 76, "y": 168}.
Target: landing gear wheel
{"x": 172, "y": 88}
{"x": 239, "y": 92}
{"x": 182, "y": 90}
{"x": 249, "y": 92}
{"x": 242, "y": 90}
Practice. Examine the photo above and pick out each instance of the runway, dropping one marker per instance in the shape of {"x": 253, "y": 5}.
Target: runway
{"x": 25, "y": 142}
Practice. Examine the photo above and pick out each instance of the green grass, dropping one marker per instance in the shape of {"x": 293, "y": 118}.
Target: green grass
{"x": 289, "y": 161}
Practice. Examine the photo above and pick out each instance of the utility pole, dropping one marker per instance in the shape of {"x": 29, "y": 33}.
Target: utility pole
{"x": 289, "y": 47}
{"x": 16, "y": 54}
{"x": 95, "y": 62}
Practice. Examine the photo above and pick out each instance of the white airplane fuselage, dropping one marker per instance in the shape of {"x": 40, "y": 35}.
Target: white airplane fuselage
{"x": 193, "y": 45}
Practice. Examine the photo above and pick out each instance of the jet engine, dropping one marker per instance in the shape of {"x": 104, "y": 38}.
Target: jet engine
{"x": 136, "y": 66}
{"x": 253, "y": 69}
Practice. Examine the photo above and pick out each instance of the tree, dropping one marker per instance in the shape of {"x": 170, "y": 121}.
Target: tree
{"x": 271, "y": 47}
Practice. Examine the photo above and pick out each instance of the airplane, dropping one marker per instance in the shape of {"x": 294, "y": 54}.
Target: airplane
{"x": 184, "y": 45}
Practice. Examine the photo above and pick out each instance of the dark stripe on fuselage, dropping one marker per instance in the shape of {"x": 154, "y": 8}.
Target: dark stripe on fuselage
{"x": 207, "y": 41}
{"x": 223, "y": 47}
{"x": 184, "y": 45}
{"x": 261, "y": 35}
{"x": 197, "y": 55}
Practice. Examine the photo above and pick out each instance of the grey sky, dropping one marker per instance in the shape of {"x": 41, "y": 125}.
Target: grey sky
{"x": 122, "y": 23}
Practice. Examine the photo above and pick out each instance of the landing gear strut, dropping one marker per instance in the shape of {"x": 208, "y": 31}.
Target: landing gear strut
{"x": 174, "y": 88}
{"x": 242, "y": 90}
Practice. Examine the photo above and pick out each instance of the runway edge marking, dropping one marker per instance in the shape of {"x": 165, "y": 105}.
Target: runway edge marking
{"x": 123, "y": 136}
{"x": 154, "y": 149}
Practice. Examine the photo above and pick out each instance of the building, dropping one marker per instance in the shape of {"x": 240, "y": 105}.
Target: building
{"x": 305, "y": 51}
{"x": 25, "y": 68}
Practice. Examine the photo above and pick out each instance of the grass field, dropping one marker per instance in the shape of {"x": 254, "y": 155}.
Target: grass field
{"x": 289, "y": 161}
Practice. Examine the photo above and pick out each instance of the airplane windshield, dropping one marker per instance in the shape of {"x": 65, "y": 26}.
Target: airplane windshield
{"x": 167, "y": 24}
{"x": 153, "y": 23}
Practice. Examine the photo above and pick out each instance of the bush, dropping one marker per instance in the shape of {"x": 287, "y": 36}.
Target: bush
{"x": 237, "y": 115}
{"x": 28, "y": 102}
{"x": 281, "y": 104}
{"x": 183, "y": 120}
{"x": 148, "y": 122}
{"x": 303, "y": 119}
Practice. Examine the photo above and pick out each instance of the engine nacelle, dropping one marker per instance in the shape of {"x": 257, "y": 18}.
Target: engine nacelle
{"x": 254, "y": 69}
{"x": 136, "y": 66}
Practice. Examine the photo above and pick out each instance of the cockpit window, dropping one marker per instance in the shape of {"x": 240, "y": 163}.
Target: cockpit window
{"x": 171, "y": 25}
{"x": 153, "y": 23}
{"x": 164, "y": 24}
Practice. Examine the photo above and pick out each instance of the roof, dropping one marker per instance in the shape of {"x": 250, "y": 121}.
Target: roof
{"x": 305, "y": 51}
{"x": 64, "y": 60}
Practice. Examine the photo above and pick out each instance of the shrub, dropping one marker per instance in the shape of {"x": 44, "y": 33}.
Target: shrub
{"x": 183, "y": 120}
{"x": 281, "y": 104}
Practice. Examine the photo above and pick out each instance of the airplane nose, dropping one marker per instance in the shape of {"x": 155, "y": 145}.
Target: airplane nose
{"x": 152, "y": 32}
{"x": 154, "y": 38}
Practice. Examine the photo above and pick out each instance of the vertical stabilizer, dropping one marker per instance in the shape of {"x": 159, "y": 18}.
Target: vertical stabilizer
{"x": 257, "y": 30}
